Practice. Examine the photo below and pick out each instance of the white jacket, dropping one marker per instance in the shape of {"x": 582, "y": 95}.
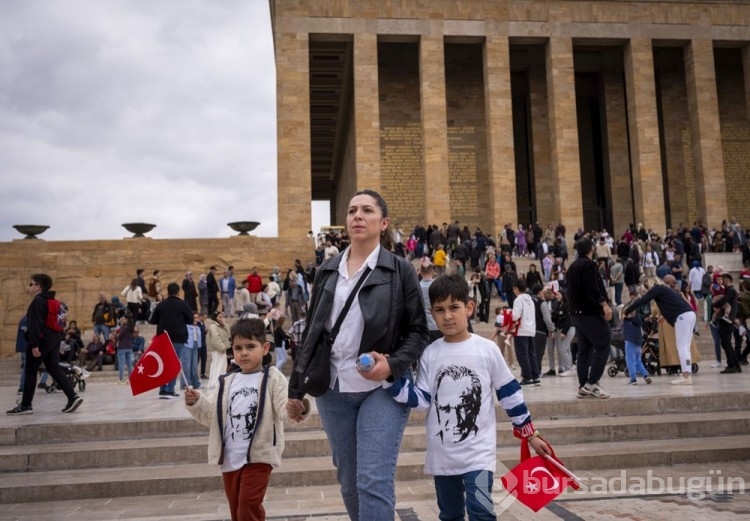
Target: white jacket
{"x": 523, "y": 308}
{"x": 268, "y": 440}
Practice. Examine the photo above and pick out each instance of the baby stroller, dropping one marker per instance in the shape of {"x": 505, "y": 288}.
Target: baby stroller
{"x": 650, "y": 347}
{"x": 663, "y": 357}
{"x": 75, "y": 375}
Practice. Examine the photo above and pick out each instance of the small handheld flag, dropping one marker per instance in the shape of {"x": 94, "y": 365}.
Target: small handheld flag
{"x": 158, "y": 365}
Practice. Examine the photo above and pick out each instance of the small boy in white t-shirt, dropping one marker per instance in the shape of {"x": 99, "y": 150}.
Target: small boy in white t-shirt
{"x": 247, "y": 438}
{"x": 456, "y": 380}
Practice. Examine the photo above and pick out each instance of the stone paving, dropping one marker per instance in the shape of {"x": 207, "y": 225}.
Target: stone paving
{"x": 647, "y": 494}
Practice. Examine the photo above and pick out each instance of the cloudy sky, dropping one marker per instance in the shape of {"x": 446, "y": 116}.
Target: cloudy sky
{"x": 116, "y": 111}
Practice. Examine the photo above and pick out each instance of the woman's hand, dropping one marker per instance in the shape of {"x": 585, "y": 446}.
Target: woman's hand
{"x": 295, "y": 409}
{"x": 381, "y": 371}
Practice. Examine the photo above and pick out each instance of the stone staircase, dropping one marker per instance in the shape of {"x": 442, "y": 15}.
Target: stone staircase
{"x": 156, "y": 448}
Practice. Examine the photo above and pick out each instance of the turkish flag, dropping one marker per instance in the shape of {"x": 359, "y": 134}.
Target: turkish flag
{"x": 537, "y": 481}
{"x": 158, "y": 365}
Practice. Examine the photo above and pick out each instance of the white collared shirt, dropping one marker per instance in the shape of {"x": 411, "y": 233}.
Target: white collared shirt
{"x": 346, "y": 346}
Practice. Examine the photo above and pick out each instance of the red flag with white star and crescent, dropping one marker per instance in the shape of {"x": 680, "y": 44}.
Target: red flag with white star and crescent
{"x": 158, "y": 365}
{"x": 537, "y": 481}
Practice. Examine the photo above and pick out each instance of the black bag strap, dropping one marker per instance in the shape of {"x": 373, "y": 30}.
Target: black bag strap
{"x": 261, "y": 406}
{"x": 349, "y": 301}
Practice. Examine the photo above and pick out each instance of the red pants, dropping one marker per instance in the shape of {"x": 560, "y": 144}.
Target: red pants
{"x": 245, "y": 489}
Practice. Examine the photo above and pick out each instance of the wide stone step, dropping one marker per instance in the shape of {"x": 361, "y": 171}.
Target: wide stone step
{"x": 647, "y": 410}
{"x": 168, "y": 449}
{"x": 296, "y": 472}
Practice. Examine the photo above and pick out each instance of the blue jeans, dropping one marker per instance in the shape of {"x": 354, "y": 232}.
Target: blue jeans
{"x": 169, "y": 386}
{"x": 618, "y": 293}
{"x": 189, "y": 362}
{"x": 468, "y": 493}
{"x": 124, "y": 356}
{"x": 633, "y": 359}
{"x": 280, "y": 356}
{"x": 364, "y": 431}
{"x": 102, "y": 331}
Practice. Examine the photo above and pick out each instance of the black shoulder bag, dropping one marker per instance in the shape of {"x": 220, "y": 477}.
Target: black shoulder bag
{"x": 315, "y": 378}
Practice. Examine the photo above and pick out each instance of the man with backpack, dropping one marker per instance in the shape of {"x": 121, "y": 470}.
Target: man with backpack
{"x": 46, "y": 323}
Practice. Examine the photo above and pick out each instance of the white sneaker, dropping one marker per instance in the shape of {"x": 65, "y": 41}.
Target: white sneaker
{"x": 683, "y": 380}
{"x": 595, "y": 391}
{"x": 716, "y": 364}
{"x": 569, "y": 372}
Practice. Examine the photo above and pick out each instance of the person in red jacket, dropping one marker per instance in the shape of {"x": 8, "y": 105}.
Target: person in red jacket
{"x": 255, "y": 284}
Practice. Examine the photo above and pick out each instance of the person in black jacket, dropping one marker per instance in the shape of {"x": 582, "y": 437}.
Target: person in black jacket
{"x": 725, "y": 310}
{"x": 173, "y": 315}
{"x": 364, "y": 425}
{"x": 678, "y": 314}
{"x": 590, "y": 315}
{"x": 213, "y": 290}
{"x": 43, "y": 346}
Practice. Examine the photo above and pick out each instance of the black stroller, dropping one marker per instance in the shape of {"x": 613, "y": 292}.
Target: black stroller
{"x": 75, "y": 376}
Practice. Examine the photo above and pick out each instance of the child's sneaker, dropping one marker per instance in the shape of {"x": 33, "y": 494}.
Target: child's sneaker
{"x": 632, "y": 382}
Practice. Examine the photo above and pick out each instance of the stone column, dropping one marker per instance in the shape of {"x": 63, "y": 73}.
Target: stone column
{"x": 434, "y": 129}
{"x": 499, "y": 116}
{"x": 618, "y": 160}
{"x": 563, "y": 127}
{"x": 705, "y": 127}
{"x": 294, "y": 182}
{"x": 366, "y": 111}
{"x": 544, "y": 188}
{"x": 645, "y": 155}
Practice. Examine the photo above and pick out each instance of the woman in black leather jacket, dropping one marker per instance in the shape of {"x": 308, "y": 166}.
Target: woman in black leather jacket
{"x": 364, "y": 425}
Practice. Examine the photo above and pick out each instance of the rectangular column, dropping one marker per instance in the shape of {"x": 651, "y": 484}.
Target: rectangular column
{"x": 544, "y": 188}
{"x": 366, "y": 111}
{"x": 705, "y": 127}
{"x": 645, "y": 154}
{"x": 499, "y": 117}
{"x": 434, "y": 129}
{"x": 294, "y": 181}
{"x": 563, "y": 127}
{"x": 618, "y": 159}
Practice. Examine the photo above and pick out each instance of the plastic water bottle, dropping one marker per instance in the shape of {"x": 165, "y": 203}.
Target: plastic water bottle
{"x": 365, "y": 362}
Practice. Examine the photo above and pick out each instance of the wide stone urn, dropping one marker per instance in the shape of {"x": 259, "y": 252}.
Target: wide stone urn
{"x": 138, "y": 229}
{"x": 243, "y": 226}
{"x": 31, "y": 230}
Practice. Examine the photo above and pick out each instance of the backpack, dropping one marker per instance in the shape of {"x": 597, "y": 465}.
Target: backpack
{"x": 57, "y": 315}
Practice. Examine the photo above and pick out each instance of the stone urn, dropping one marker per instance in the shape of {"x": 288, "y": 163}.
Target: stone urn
{"x": 138, "y": 229}
{"x": 243, "y": 226}
{"x": 31, "y": 230}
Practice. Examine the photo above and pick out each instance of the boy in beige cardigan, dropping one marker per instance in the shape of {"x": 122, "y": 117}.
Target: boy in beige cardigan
{"x": 247, "y": 438}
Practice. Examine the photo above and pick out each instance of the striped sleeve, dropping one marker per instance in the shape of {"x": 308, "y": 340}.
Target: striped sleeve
{"x": 510, "y": 396}
{"x": 405, "y": 391}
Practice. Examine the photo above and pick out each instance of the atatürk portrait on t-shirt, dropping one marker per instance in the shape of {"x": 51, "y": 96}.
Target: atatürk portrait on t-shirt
{"x": 458, "y": 399}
